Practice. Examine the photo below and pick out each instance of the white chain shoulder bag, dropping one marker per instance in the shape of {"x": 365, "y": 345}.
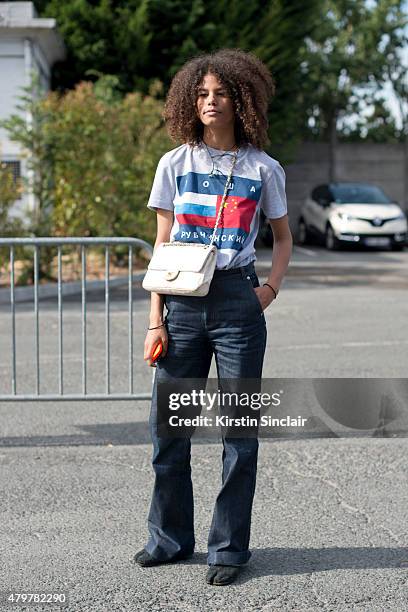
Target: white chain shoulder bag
{"x": 185, "y": 268}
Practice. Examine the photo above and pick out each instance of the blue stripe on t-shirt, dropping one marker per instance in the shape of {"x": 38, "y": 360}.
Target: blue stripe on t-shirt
{"x": 215, "y": 185}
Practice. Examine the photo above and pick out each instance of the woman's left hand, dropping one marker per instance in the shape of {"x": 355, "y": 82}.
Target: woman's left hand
{"x": 265, "y": 296}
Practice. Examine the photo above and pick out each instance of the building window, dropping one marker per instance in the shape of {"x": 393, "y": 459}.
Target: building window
{"x": 15, "y": 167}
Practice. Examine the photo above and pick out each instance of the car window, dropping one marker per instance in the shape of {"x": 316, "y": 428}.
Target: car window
{"x": 358, "y": 194}
{"x": 319, "y": 192}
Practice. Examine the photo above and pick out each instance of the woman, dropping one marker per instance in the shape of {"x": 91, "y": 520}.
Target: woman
{"x": 217, "y": 107}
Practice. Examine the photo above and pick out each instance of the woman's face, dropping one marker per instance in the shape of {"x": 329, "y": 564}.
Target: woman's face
{"x": 214, "y": 106}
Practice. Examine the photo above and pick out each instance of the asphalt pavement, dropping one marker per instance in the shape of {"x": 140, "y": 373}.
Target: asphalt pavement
{"x": 329, "y": 528}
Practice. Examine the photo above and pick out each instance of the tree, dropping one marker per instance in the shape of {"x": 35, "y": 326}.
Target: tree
{"x": 143, "y": 40}
{"x": 343, "y": 61}
{"x": 394, "y": 71}
{"x": 280, "y": 43}
{"x": 137, "y": 40}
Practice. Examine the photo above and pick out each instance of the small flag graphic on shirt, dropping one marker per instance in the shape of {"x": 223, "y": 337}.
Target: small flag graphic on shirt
{"x": 198, "y": 204}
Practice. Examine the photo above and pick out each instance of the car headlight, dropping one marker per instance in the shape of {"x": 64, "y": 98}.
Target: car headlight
{"x": 345, "y": 216}
{"x": 401, "y": 217}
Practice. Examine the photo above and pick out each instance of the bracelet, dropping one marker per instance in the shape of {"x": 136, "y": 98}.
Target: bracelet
{"x": 156, "y": 327}
{"x": 270, "y": 286}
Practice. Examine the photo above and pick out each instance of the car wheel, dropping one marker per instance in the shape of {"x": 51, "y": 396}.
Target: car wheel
{"x": 330, "y": 239}
{"x": 303, "y": 236}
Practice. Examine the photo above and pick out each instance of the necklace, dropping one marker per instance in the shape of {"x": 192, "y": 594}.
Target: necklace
{"x": 215, "y": 159}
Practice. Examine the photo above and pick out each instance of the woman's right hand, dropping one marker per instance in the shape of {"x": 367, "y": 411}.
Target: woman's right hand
{"x": 152, "y": 338}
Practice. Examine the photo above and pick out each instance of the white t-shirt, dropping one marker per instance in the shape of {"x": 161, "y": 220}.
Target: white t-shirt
{"x": 182, "y": 184}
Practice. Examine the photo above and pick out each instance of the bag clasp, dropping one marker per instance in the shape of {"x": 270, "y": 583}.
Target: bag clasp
{"x": 172, "y": 274}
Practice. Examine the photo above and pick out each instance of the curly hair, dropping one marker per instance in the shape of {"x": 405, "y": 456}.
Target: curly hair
{"x": 248, "y": 82}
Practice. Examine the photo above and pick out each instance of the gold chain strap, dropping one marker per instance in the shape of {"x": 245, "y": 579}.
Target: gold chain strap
{"x": 224, "y": 197}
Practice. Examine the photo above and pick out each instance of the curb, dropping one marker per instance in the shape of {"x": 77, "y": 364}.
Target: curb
{"x": 26, "y": 294}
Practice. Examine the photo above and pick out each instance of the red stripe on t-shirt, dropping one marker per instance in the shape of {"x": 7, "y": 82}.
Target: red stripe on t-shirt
{"x": 238, "y": 213}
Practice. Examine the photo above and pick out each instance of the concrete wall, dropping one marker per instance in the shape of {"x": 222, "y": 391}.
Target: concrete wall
{"x": 380, "y": 164}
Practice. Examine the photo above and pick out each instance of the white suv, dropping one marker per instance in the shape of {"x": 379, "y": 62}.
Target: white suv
{"x": 356, "y": 213}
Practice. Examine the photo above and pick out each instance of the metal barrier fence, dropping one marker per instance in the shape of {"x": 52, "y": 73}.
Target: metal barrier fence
{"x": 36, "y": 243}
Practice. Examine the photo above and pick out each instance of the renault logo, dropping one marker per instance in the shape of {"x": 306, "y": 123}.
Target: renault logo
{"x": 377, "y": 221}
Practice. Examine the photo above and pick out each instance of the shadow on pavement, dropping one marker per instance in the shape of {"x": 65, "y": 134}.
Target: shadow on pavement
{"x": 289, "y": 561}
{"x": 137, "y": 433}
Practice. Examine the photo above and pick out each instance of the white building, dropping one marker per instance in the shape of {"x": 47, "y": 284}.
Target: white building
{"x": 27, "y": 44}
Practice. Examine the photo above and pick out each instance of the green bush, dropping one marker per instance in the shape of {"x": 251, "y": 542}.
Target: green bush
{"x": 93, "y": 154}
{"x": 10, "y": 226}
{"x": 105, "y": 156}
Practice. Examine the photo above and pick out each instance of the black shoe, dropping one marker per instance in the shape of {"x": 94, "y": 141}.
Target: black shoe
{"x": 145, "y": 560}
{"x": 222, "y": 574}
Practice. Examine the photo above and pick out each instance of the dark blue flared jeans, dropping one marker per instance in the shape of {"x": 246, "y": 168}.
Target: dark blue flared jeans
{"x": 228, "y": 323}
